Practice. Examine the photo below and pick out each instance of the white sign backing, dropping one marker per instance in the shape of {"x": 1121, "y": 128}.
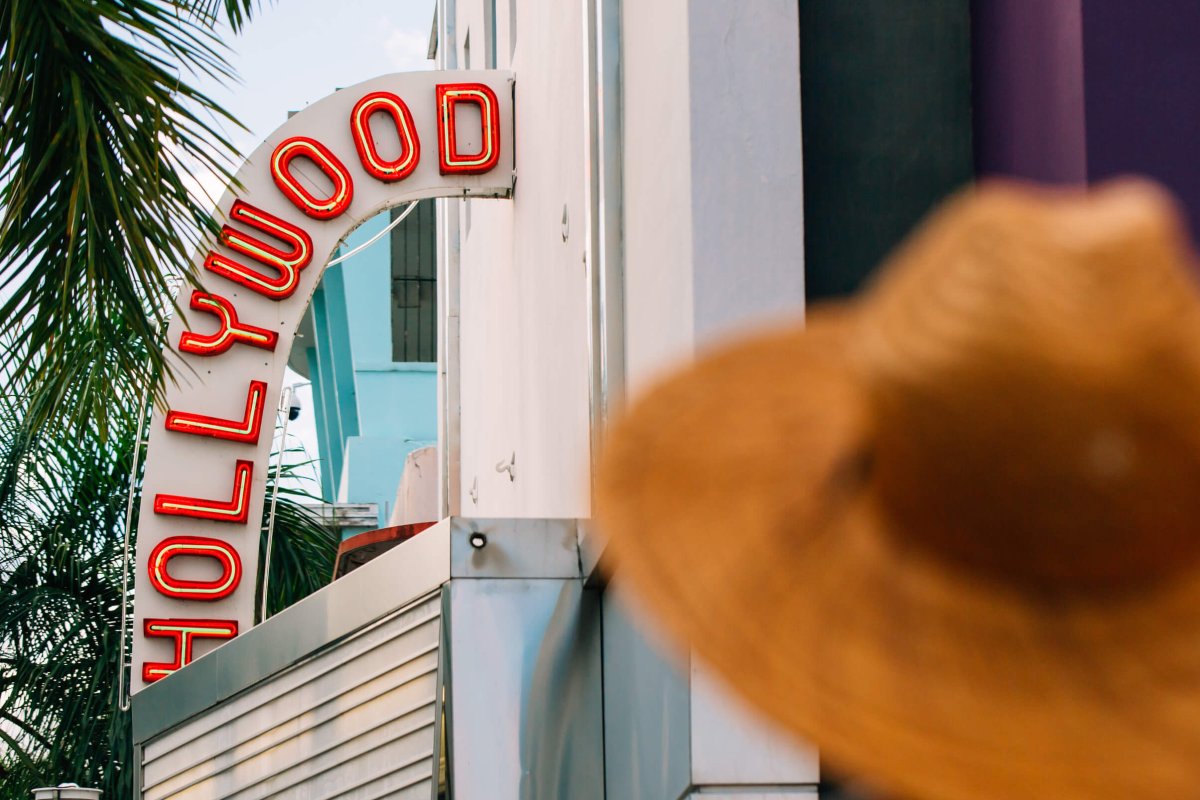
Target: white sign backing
{"x": 325, "y": 171}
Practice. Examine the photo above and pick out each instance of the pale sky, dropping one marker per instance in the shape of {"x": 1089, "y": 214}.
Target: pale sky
{"x": 297, "y": 51}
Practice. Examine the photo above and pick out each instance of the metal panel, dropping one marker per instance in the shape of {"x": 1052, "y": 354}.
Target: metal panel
{"x": 525, "y": 702}
{"x": 604, "y": 232}
{"x": 516, "y": 548}
{"x": 392, "y": 581}
{"x": 356, "y": 720}
{"x": 747, "y": 173}
{"x": 646, "y": 714}
{"x": 734, "y": 746}
{"x": 591, "y": 550}
{"x": 800, "y": 793}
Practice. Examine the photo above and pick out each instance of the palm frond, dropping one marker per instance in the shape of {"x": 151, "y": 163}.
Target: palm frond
{"x": 62, "y": 500}
{"x": 99, "y": 126}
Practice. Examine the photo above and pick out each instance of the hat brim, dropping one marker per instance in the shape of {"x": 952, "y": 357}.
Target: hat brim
{"x": 736, "y": 502}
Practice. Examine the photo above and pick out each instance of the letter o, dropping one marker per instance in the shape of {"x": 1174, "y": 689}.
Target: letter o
{"x": 199, "y": 546}
{"x": 317, "y": 207}
{"x": 364, "y": 140}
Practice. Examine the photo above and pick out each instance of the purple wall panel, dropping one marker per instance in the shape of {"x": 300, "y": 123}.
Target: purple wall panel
{"x": 1029, "y": 89}
{"x": 1142, "y": 62}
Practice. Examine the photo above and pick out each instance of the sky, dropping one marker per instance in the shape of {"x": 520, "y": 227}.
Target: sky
{"x": 295, "y": 52}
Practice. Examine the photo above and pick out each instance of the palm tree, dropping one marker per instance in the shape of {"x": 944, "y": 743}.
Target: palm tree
{"x": 62, "y": 517}
{"x": 99, "y": 126}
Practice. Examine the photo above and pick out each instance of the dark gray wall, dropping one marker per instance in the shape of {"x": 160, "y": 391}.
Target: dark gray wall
{"x": 886, "y": 101}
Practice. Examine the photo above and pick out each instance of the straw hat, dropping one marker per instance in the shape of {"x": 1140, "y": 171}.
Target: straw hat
{"x": 950, "y": 532}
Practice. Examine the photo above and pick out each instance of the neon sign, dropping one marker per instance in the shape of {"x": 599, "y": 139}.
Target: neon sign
{"x": 244, "y": 430}
{"x": 453, "y": 159}
{"x": 396, "y": 169}
{"x": 201, "y": 546}
{"x": 333, "y": 169}
{"x": 287, "y": 263}
{"x": 325, "y": 171}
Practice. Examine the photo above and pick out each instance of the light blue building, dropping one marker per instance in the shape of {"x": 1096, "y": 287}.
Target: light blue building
{"x": 368, "y": 344}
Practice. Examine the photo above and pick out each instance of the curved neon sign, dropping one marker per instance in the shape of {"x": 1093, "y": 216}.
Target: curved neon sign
{"x": 329, "y": 168}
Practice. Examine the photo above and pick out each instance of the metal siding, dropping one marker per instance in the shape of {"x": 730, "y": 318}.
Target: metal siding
{"x": 801, "y": 793}
{"x": 354, "y": 721}
{"x": 647, "y": 714}
{"x": 732, "y": 745}
{"x": 525, "y": 708}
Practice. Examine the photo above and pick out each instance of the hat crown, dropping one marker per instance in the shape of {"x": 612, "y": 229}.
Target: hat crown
{"x": 1033, "y": 368}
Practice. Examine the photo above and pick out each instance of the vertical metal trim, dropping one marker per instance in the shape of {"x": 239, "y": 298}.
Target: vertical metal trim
{"x": 138, "y": 778}
{"x": 449, "y": 449}
{"x": 605, "y": 233}
{"x": 450, "y": 361}
{"x": 612, "y": 210}
{"x": 591, "y": 234}
{"x": 442, "y": 701}
{"x": 285, "y": 401}
{"x": 123, "y": 703}
{"x": 448, "y": 34}
{"x": 489, "y": 25}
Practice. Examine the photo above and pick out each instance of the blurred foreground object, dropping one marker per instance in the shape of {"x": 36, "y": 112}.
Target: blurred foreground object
{"x": 949, "y": 531}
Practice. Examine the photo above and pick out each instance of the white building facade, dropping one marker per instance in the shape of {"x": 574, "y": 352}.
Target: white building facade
{"x": 657, "y": 206}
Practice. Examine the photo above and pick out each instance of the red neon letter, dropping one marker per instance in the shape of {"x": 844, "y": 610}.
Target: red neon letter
{"x": 327, "y": 162}
{"x": 364, "y": 140}
{"x": 287, "y": 261}
{"x": 234, "y": 510}
{"x": 449, "y": 95}
{"x": 203, "y": 547}
{"x": 230, "y": 331}
{"x": 245, "y": 429}
{"x": 184, "y": 632}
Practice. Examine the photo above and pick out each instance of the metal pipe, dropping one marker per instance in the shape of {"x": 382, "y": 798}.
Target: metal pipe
{"x": 285, "y": 400}
{"x": 123, "y": 702}
{"x": 122, "y": 699}
{"x": 449, "y": 462}
{"x": 604, "y": 234}
{"x": 376, "y": 237}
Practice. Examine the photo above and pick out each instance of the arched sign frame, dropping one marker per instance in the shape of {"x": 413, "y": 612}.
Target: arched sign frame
{"x": 327, "y": 170}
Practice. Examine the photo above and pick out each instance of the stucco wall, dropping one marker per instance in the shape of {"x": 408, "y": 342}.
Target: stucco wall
{"x": 523, "y": 290}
